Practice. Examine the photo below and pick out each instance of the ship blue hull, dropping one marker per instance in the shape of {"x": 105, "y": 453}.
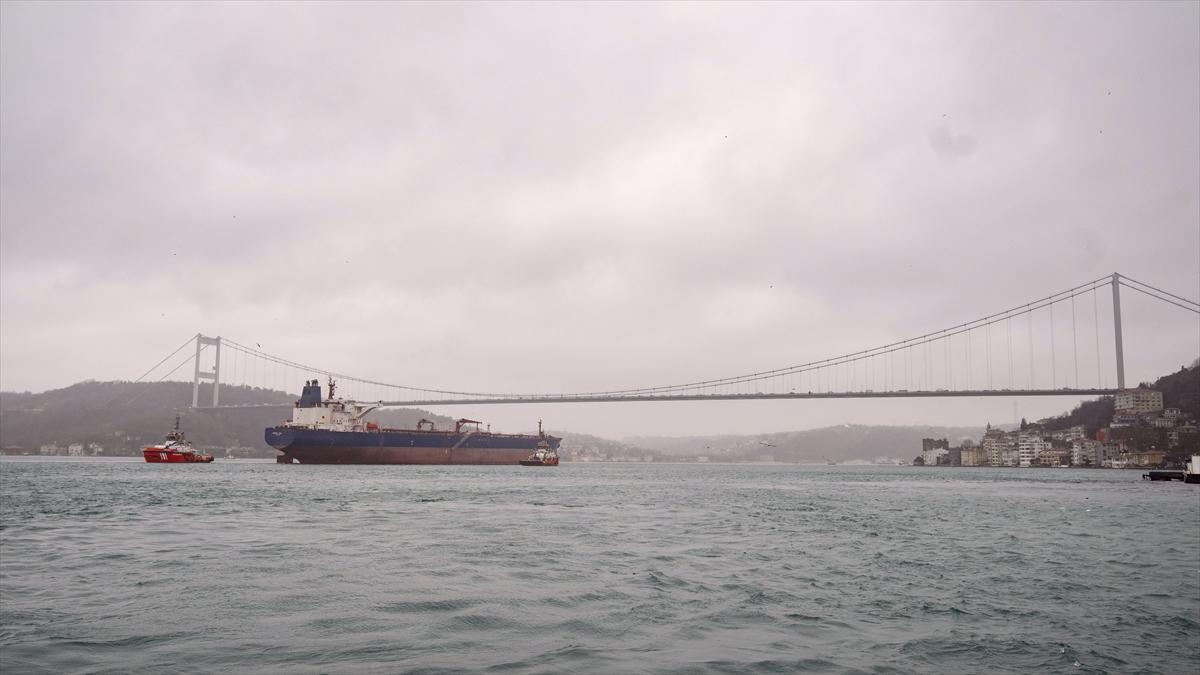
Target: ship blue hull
{"x": 392, "y": 446}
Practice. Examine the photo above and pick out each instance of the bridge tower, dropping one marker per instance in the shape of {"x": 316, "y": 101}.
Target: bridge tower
{"x": 215, "y": 375}
{"x": 1116, "y": 286}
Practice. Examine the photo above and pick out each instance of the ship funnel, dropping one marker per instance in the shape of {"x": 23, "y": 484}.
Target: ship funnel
{"x": 311, "y": 396}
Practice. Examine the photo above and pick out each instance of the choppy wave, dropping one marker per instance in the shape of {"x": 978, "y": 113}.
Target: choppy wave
{"x": 251, "y": 567}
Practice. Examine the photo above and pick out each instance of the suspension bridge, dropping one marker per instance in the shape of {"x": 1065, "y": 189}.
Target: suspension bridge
{"x": 1033, "y": 349}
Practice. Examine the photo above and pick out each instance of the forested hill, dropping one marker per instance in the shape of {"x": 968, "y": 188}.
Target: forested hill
{"x": 123, "y": 417}
{"x": 837, "y": 443}
{"x": 1180, "y": 389}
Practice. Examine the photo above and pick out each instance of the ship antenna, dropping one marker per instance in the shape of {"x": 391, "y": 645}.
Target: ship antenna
{"x": 540, "y": 428}
{"x": 177, "y": 422}
{"x": 332, "y": 386}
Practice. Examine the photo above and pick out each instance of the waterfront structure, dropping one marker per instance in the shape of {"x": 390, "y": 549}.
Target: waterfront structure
{"x": 1030, "y": 446}
{"x": 1085, "y": 451}
{"x": 1110, "y": 451}
{"x": 1074, "y": 433}
{"x": 933, "y": 450}
{"x": 994, "y": 444}
{"x": 1176, "y": 435}
{"x": 1054, "y": 457}
{"x": 932, "y": 455}
{"x": 954, "y": 457}
{"x": 1009, "y": 456}
{"x": 974, "y": 456}
{"x": 1124, "y": 420}
{"x": 1153, "y": 432}
{"x": 1138, "y": 401}
{"x": 1145, "y": 458}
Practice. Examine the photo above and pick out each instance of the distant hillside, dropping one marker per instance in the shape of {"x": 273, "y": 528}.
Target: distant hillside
{"x": 1091, "y": 414}
{"x": 123, "y": 417}
{"x": 839, "y": 443}
{"x": 1180, "y": 389}
{"x": 582, "y": 446}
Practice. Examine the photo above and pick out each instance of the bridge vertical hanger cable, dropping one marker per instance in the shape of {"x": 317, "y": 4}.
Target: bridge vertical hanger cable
{"x": 1010, "y": 354}
{"x": 988, "y": 342}
{"x": 1053, "y": 344}
{"x": 832, "y": 374}
{"x": 968, "y": 360}
{"x": 918, "y": 365}
{"x": 1075, "y": 341}
{"x": 949, "y": 364}
{"x": 1029, "y": 322}
{"x": 910, "y": 369}
{"x": 1096, "y": 319}
{"x": 928, "y": 368}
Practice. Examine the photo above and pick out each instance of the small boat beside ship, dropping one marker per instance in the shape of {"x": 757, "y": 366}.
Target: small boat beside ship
{"x": 175, "y": 449}
{"x": 335, "y": 431}
{"x": 544, "y": 455}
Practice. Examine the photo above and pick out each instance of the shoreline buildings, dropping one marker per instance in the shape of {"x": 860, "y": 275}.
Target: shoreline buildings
{"x": 1141, "y": 433}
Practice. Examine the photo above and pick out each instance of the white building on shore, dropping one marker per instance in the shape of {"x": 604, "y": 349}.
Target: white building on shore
{"x": 1138, "y": 401}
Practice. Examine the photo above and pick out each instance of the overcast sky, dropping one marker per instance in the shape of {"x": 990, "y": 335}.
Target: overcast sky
{"x": 564, "y": 197}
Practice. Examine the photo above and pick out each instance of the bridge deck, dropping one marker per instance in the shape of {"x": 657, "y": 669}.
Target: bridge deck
{"x": 418, "y": 403}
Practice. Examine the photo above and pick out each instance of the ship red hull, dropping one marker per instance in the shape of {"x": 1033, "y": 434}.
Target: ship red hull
{"x": 162, "y": 456}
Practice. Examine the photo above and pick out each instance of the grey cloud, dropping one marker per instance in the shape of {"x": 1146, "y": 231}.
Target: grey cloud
{"x": 948, "y": 144}
{"x": 666, "y": 192}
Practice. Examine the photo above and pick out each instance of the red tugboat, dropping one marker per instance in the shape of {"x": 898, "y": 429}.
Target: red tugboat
{"x": 544, "y": 455}
{"x": 174, "y": 449}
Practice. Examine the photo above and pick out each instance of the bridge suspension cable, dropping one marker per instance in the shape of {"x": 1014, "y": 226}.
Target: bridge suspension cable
{"x": 964, "y": 366}
{"x": 164, "y": 375}
{"x": 888, "y": 349}
{"x": 1190, "y": 305}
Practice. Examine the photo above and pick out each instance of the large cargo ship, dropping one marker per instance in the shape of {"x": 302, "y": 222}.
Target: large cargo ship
{"x": 335, "y": 431}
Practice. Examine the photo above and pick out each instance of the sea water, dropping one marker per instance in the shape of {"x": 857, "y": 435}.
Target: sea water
{"x": 112, "y": 566}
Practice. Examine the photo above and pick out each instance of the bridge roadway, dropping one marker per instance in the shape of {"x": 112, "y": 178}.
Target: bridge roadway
{"x": 640, "y": 398}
